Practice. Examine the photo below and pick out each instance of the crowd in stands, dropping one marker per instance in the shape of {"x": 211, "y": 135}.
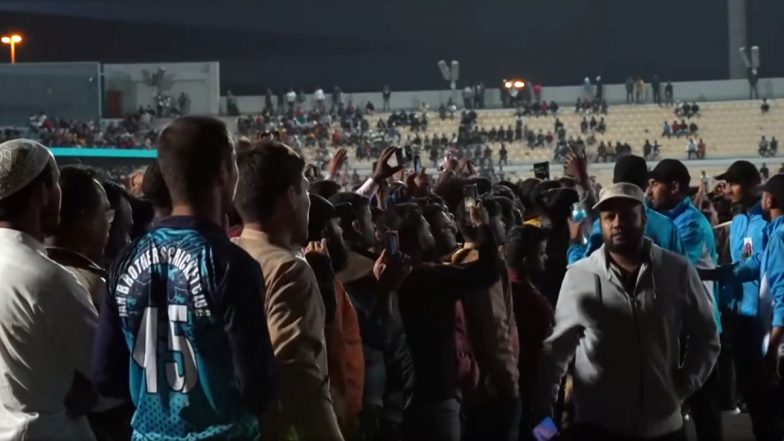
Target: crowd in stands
{"x": 133, "y": 131}
{"x": 237, "y": 292}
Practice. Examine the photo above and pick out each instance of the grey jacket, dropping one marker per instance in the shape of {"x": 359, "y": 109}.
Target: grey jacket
{"x": 626, "y": 346}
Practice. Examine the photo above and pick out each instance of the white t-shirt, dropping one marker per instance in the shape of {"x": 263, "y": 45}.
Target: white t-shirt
{"x": 47, "y": 326}
{"x": 319, "y": 94}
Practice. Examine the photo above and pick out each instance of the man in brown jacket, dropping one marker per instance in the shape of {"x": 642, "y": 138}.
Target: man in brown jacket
{"x": 272, "y": 199}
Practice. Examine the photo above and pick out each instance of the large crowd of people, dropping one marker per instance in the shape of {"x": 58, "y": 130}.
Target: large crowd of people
{"x": 133, "y": 131}
{"x": 237, "y": 292}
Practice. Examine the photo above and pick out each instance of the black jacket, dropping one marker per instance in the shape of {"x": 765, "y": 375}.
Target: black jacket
{"x": 389, "y": 370}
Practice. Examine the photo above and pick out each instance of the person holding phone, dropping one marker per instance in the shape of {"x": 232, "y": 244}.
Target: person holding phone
{"x": 427, "y": 302}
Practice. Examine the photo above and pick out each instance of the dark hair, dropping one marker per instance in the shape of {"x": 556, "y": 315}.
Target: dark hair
{"x": 78, "y": 195}
{"x": 154, "y": 187}
{"x": 325, "y": 188}
{"x": 528, "y": 194}
{"x": 321, "y": 212}
{"x": 191, "y": 152}
{"x": 266, "y": 172}
{"x": 115, "y": 193}
{"x": 351, "y": 206}
{"x": 405, "y": 219}
{"x": 521, "y": 242}
{"x": 18, "y": 203}
{"x": 467, "y": 230}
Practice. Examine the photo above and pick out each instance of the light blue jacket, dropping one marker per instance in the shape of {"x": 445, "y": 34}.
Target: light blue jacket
{"x": 698, "y": 240}
{"x": 771, "y": 306}
{"x": 747, "y": 227}
{"x": 659, "y": 229}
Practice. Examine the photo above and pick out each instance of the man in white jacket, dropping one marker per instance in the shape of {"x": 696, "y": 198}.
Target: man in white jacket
{"x": 620, "y": 314}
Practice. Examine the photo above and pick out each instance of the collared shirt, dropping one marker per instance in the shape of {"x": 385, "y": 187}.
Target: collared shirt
{"x": 47, "y": 326}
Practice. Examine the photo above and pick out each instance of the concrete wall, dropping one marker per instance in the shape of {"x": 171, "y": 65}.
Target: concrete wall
{"x": 200, "y": 81}
{"x": 719, "y": 90}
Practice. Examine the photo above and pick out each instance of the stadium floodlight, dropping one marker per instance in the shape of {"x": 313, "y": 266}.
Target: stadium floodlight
{"x": 745, "y": 57}
{"x": 444, "y": 68}
{"x": 12, "y": 40}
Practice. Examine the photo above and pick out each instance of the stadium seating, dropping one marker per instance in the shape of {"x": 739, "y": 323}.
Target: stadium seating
{"x": 730, "y": 129}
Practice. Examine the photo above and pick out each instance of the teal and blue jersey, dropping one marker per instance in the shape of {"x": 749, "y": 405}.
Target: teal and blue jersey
{"x": 659, "y": 229}
{"x": 771, "y": 303}
{"x": 182, "y": 331}
{"x": 747, "y": 238}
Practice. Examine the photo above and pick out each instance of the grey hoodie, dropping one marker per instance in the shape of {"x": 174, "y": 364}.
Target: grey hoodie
{"x": 627, "y": 375}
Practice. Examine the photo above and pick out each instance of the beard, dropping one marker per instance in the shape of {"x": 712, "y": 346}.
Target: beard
{"x": 630, "y": 243}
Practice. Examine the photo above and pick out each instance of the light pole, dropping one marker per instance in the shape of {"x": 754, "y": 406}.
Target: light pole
{"x": 12, "y": 40}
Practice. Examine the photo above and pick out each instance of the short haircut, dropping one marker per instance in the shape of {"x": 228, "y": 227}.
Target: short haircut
{"x": 266, "y": 172}
{"x": 78, "y": 195}
{"x": 321, "y": 212}
{"x": 528, "y": 193}
{"x": 357, "y": 202}
{"x": 521, "y": 242}
{"x": 403, "y": 218}
{"x": 325, "y": 188}
{"x": 191, "y": 152}
{"x": 16, "y": 204}
{"x": 154, "y": 187}
{"x": 115, "y": 192}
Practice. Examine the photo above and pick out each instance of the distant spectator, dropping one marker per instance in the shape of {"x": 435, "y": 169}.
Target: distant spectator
{"x": 291, "y": 100}
{"x": 765, "y": 107}
{"x": 601, "y": 126}
{"x": 369, "y": 108}
{"x": 753, "y": 80}
{"x": 584, "y": 125}
{"x": 468, "y": 97}
{"x": 587, "y": 89}
{"x": 184, "y": 102}
{"x": 268, "y": 108}
{"x": 538, "y": 94}
{"x": 386, "y": 94}
{"x": 774, "y": 145}
{"x": 231, "y": 104}
{"x": 320, "y": 97}
{"x": 693, "y": 129}
{"x": 691, "y": 149}
{"x": 669, "y": 94}
{"x": 764, "y": 172}
{"x": 763, "y": 144}
{"x": 629, "y": 89}
{"x": 695, "y": 109}
{"x": 701, "y": 148}
{"x": 656, "y": 88}
{"x": 337, "y": 98}
{"x": 639, "y": 87}
{"x": 503, "y": 155}
{"x": 599, "y": 88}
{"x": 479, "y": 96}
{"x": 578, "y": 105}
{"x": 647, "y": 149}
{"x": 604, "y": 107}
{"x": 553, "y": 107}
{"x": 601, "y": 152}
{"x": 666, "y": 129}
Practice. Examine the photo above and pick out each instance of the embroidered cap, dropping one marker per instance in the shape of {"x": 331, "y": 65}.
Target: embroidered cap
{"x": 21, "y": 161}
